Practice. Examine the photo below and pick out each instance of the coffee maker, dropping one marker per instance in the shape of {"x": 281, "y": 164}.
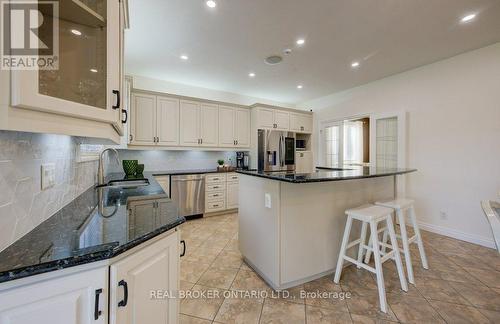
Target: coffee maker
{"x": 242, "y": 160}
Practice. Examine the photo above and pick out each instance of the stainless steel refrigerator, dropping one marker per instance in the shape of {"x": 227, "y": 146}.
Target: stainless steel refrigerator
{"x": 276, "y": 150}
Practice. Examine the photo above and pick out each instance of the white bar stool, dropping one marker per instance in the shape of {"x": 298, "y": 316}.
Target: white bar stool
{"x": 400, "y": 206}
{"x": 372, "y": 215}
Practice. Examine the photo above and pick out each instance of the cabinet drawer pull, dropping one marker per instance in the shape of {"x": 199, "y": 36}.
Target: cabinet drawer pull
{"x": 124, "y": 121}
{"x": 124, "y": 302}
{"x": 216, "y": 195}
{"x": 183, "y": 248}
{"x": 215, "y": 205}
{"x": 97, "y": 312}
{"x": 117, "y": 93}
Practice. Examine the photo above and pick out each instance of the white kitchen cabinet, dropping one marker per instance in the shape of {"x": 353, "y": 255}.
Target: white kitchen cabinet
{"x": 132, "y": 279}
{"x": 209, "y": 124}
{"x": 154, "y": 120}
{"x": 79, "y": 298}
{"x": 189, "y": 123}
{"x": 227, "y": 116}
{"x": 282, "y": 120}
{"x": 304, "y": 162}
{"x": 265, "y": 118}
{"x": 232, "y": 195}
{"x": 242, "y": 127}
{"x": 221, "y": 192}
{"x": 273, "y": 118}
{"x": 301, "y": 123}
{"x": 87, "y": 84}
{"x": 142, "y": 119}
{"x": 167, "y": 121}
{"x": 234, "y": 127}
{"x": 198, "y": 124}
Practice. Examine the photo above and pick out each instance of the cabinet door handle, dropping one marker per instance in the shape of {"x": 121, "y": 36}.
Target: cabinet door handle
{"x": 131, "y": 137}
{"x": 201, "y": 141}
{"x": 183, "y": 248}
{"x": 97, "y": 312}
{"x": 124, "y": 302}
{"x": 236, "y": 142}
{"x": 124, "y": 121}
{"x": 117, "y": 93}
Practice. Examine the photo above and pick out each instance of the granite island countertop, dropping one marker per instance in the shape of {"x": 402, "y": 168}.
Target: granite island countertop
{"x": 323, "y": 174}
{"x": 99, "y": 224}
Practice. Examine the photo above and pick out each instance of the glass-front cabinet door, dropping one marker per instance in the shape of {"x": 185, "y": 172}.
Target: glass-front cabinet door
{"x": 87, "y": 82}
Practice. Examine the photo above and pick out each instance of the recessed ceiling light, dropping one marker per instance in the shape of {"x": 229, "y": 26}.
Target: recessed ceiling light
{"x": 300, "y": 41}
{"x": 211, "y": 4}
{"x": 354, "y": 64}
{"x": 251, "y": 74}
{"x": 468, "y": 18}
{"x": 184, "y": 57}
{"x": 300, "y": 86}
{"x": 76, "y": 32}
{"x": 93, "y": 70}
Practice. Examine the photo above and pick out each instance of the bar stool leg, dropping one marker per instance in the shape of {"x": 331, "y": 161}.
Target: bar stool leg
{"x": 406, "y": 245}
{"x": 420, "y": 244}
{"x": 345, "y": 240}
{"x": 397, "y": 256}
{"x": 363, "y": 240}
{"x": 368, "y": 254}
{"x": 378, "y": 267}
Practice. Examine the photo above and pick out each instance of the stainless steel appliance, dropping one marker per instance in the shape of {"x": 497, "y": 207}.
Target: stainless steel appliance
{"x": 276, "y": 150}
{"x": 242, "y": 160}
{"x": 300, "y": 145}
{"x": 188, "y": 191}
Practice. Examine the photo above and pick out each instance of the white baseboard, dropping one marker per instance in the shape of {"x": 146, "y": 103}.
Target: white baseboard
{"x": 480, "y": 240}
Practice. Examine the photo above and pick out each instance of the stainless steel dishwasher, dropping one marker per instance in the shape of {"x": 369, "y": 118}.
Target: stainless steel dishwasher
{"x": 188, "y": 191}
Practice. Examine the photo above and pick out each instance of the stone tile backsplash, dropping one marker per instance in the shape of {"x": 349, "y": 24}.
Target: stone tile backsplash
{"x": 174, "y": 160}
{"x": 23, "y": 205}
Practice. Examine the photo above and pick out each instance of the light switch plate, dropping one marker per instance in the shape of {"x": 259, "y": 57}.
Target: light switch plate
{"x": 267, "y": 201}
{"x": 48, "y": 175}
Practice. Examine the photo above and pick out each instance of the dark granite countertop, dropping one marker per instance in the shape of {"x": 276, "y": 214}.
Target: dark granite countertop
{"x": 99, "y": 224}
{"x": 184, "y": 172}
{"x": 328, "y": 174}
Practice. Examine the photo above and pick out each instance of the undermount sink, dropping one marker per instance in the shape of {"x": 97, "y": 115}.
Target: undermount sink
{"x": 128, "y": 183}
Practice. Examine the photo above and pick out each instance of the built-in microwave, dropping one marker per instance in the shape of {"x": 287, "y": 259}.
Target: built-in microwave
{"x": 300, "y": 144}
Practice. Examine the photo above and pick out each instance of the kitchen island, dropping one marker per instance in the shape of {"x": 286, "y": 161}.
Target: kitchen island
{"x": 291, "y": 224}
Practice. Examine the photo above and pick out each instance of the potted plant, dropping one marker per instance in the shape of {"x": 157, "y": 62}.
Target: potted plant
{"x": 220, "y": 163}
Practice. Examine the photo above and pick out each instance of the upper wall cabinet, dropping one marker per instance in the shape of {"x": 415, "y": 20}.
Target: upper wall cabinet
{"x": 170, "y": 122}
{"x": 283, "y": 120}
{"x": 154, "y": 120}
{"x": 87, "y": 84}
{"x": 272, "y": 118}
{"x": 234, "y": 127}
{"x": 301, "y": 123}
{"x": 199, "y": 124}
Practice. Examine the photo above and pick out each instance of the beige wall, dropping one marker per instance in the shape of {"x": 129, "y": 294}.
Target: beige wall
{"x": 453, "y": 135}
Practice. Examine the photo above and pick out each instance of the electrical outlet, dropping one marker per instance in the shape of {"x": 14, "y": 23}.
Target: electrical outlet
{"x": 48, "y": 175}
{"x": 443, "y": 215}
{"x": 267, "y": 201}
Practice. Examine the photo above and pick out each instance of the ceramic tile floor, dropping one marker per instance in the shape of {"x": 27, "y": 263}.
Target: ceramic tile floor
{"x": 461, "y": 286}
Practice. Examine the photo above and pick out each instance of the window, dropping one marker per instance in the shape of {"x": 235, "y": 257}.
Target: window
{"x": 346, "y": 142}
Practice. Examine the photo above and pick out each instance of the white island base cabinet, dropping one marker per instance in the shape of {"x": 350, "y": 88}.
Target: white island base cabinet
{"x": 114, "y": 291}
{"x": 290, "y": 233}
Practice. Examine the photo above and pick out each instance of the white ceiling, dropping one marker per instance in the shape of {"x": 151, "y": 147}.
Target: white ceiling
{"x": 226, "y": 43}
